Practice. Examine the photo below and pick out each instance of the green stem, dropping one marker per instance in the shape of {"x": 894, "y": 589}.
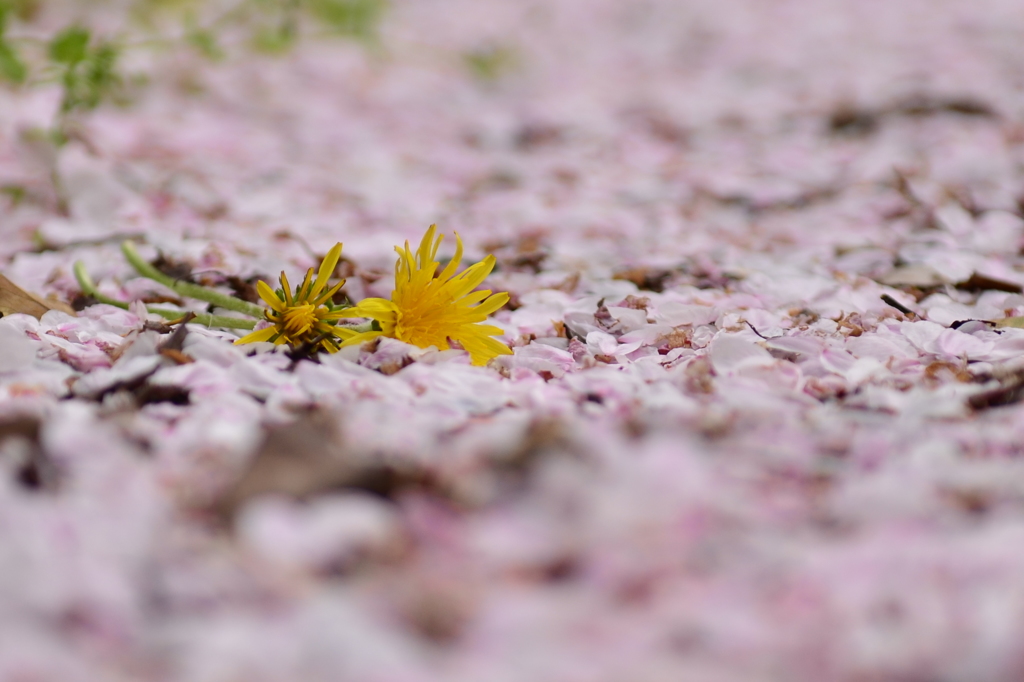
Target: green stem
{"x": 187, "y": 288}
{"x": 89, "y": 288}
{"x": 360, "y": 328}
{"x": 219, "y": 321}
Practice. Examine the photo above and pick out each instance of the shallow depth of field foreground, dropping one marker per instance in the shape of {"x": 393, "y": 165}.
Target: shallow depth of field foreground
{"x": 761, "y": 420}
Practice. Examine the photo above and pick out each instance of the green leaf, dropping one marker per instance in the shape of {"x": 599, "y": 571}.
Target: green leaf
{"x": 354, "y": 18}
{"x": 100, "y": 75}
{"x": 70, "y": 46}
{"x": 16, "y": 193}
{"x": 12, "y": 68}
{"x": 490, "y": 63}
{"x": 206, "y": 43}
{"x": 89, "y": 80}
{"x": 273, "y": 41}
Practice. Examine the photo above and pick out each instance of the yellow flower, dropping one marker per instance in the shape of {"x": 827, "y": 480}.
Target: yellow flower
{"x": 429, "y": 309}
{"x": 306, "y": 315}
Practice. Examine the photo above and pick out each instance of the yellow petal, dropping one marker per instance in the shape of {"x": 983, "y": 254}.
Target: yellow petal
{"x": 405, "y": 265}
{"x": 257, "y": 336}
{"x": 268, "y": 295}
{"x": 453, "y": 264}
{"x": 360, "y": 338}
{"x": 307, "y": 283}
{"x": 287, "y": 287}
{"x": 344, "y": 333}
{"x": 373, "y": 308}
{"x": 474, "y": 297}
{"x": 340, "y": 332}
{"x": 492, "y": 304}
{"x": 471, "y": 277}
{"x": 327, "y": 266}
{"x": 482, "y": 349}
{"x": 481, "y": 330}
{"x": 323, "y": 298}
{"x": 428, "y": 248}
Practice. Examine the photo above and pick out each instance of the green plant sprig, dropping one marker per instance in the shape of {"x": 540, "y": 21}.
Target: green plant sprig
{"x": 188, "y": 289}
{"x": 88, "y": 287}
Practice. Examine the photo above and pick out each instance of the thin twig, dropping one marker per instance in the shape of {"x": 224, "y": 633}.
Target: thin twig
{"x": 897, "y": 305}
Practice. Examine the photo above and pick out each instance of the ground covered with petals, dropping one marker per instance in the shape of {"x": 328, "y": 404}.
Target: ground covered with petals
{"x": 716, "y": 453}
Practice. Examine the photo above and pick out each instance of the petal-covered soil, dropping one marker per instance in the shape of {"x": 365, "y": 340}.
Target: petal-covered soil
{"x": 716, "y": 454}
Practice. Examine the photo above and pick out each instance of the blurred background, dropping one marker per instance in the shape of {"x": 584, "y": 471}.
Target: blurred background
{"x": 648, "y": 124}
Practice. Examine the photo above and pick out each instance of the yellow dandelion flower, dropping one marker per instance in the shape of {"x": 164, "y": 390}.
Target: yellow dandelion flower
{"x": 431, "y": 309}
{"x": 305, "y": 315}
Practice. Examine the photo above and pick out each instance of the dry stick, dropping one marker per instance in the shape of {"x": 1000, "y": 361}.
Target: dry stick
{"x": 897, "y": 305}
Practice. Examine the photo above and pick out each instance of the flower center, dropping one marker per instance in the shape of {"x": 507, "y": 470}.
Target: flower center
{"x": 299, "y": 319}
{"x": 422, "y": 330}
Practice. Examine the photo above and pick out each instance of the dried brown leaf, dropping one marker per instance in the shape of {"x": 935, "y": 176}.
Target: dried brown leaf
{"x": 15, "y": 300}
